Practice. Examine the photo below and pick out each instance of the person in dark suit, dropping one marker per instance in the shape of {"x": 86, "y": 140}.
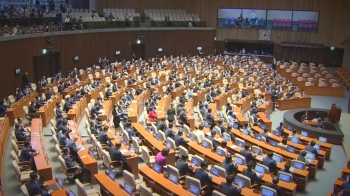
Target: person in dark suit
{"x": 34, "y": 188}
{"x": 59, "y": 120}
{"x": 73, "y": 148}
{"x": 289, "y": 94}
{"x": 319, "y": 124}
{"x": 63, "y": 126}
{"x": 94, "y": 109}
{"x": 269, "y": 162}
{"x": 48, "y": 94}
{"x": 250, "y": 173}
{"x": 179, "y": 140}
{"x": 68, "y": 105}
{"x": 117, "y": 155}
{"x": 32, "y": 110}
{"x": 249, "y": 156}
{"x": 229, "y": 165}
{"x": 73, "y": 166}
{"x": 264, "y": 134}
{"x": 139, "y": 90}
{"x": 62, "y": 137}
{"x": 286, "y": 169}
{"x": 228, "y": 188}
{"x": 27, "y": 154}
{"x": 280, "y": 128}
{"x": 20, "y": 135}
{"x": 108, "y": 93}
{"x": 169, "y": 131}
{"x": 274, "y": 185}
{"x": 311, "y": 147}
{"x": 161, "y": 124}
{"x": 212, "y": 138}
{"x": 202, "y": 175}
{"x": 103, "y": 137}
{"x": 209, "y": 118}
{"x": 346, "y": 185}
{"x": 182, "y": 165}
{"x": 302, "y": 156}
{"x": 183, "y": 117}
{"x": 116, "y": 116}
{"x": 305, "y": 116}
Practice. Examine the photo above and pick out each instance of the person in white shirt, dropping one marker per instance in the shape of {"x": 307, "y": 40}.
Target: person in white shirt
{"x": 253, "y": 17}
{"x": 199, "y": 133}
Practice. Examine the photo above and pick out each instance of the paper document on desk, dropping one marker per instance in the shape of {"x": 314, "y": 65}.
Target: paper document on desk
{"x": 269, "y": 134}
{"x": 218, "y": 139}
{"x": 208, "y": 133}
{"x": 134, "y": 102}
{"x": 103, "y": 111}
{"x": 260, "y": 157}
{"x": 124, "y": 151}
{"x": 81, "y": 148}
{"x": 233, "y": 146}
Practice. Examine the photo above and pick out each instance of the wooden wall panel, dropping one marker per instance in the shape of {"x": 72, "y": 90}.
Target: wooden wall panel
{"x": 333, "y": 28}
{"x": 90, "y": 46}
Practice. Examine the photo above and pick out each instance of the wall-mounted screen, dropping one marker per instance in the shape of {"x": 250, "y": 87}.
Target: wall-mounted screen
{"x": 160, "y": 49}
{"x": 76, "y": 58}
{"x": 229, "y": 17}
{"x": 305, "y": 20}
{"x": 117, "y": 52}
{"x": 17, "y": 71}
{"x": 279, "y": 19}
{"x": 254, "y": 18}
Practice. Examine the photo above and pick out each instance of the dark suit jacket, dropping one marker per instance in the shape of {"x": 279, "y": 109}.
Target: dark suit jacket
{"x": 95, "y": 111}
{"x": 69, "y": 161}
{"x": 26, "y": 154}
{"x": 202, "y": 176}
{"x": 215, "y": 144}
{"x": 20, "y": 136}
{"x": 183, "y": 116}
{"x": 161, "y": 125}
{"x": 183, "y": 167}
{"x": 179, "y": 140}
{"x": 270, "y": 163}
{"x": 209, "y": 118}
{"x": 229, "y": 167}
{"x": 115, "y": 154}
{"x": 247, "y": 154}
{"x": 229, "y": 189}
{"x": 346, "y": 186}
{"x": 171, "y": 114}
{"x": 250, "y": 174}
{"x": 72, "y": 147}
{"x": 301, "y": 158}
{"x": 311, "y": 149}
{"x": 67, "y": 106}
{"x": 289, "y": 172}
{"x": 169, "y": 133}
{"x": 34, "y": 188}
{"x": 103, "y": 137}
{"x": 319, "y": 125}
{"x": 32, "y": 109}
{"x": 276, "y": 187}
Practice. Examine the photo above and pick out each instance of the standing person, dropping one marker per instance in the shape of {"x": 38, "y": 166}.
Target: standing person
{"x": 161, "y": 158}
{"x": 274, "y": 63}
{"x": 171, "y": 113}
{"x": 116, "y": 116}
{"x": 25, "y": 79}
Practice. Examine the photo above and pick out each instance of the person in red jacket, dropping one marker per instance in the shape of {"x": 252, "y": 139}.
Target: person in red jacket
{"x": 152, "y": 115}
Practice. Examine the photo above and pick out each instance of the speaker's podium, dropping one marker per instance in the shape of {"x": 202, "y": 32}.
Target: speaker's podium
{"x": 334, "y": 114}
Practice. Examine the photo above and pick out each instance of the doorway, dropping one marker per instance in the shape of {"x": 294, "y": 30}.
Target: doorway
{"x": 46, "y": 65}
{"x": 138, "y": 50}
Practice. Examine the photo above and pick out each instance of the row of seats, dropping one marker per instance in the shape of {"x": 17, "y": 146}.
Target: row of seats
{"x": 174, "y": 15}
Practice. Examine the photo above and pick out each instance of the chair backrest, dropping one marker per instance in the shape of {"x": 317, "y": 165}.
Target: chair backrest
{"x": 17, "y": 170}
{"x": 171, "y": 142}
{"x": 182, "y": 151}
{"x": 277, "y": 155}
{"x": 14, "y": 156}
{"x": 190, "y": 180}
{"x": 222, "y": 170}
{"x": 265, "y": 168}
{"x": 63, "y": 164}
{"x": 173, "y": 170}
{"x": 106, "y": 158}
{"x": 99, "y": 150}
{"x": 241, "y": 157}
{"x": 14, "y": 145}
{"x": 226, "y": 135}
{"x": 209, "y": 143}
{"x": 218, "y": 130}
{"x": 265, "y": 190}
{"x": 130, "y": 179}
{"x": 237, "y": 140}
{"x": 24, "y": 190}
{"x": 80, "y": 187}
{"x": 145, "y": 155}
{"x": 135, "y": 144}
{"x": 298, "y": 162}
{"x": 287, "y": 174}
{"x": 222, "y": 149}
{"x": 186, "y": 130}
{"x": 162, "y": 136}
{"x": 145, "y": 191}
{"x": 246, "y": 179}
{"x": 217, "y": 193}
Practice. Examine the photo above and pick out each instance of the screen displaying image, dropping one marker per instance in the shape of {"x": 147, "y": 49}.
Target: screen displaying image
{"x": 117, "y": 52}
{"x": 228, "y": 17}
{"x": 279, "y": 19}
{"x": 17, "y": 71}
{"x": 305, "y": 21}
{"x": 76, "y": 58}
{"x": 160, "y": 49}
{"x": 256, "y": 18}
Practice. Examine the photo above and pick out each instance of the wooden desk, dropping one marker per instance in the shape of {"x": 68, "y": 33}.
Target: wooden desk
{"x": 109, "y": 187}
{"x": 137, "y": 106}
{"x": 189, "y": 114}
{"x": 41, "y": 160}
{"x": 337, "y": 186}
{"x": 265, "y": 120}
{"x": 163, "y": 106}
{"x": 325, "y": 91}
{"x": 153, "y": 145}
{"x": 244, "y": 103}
{"x": 4, "y": 137}
{"x": 116, "y": 96}
{"x": 266, "y": 108}
{"x": 95, "y": 93}
{"x": 107, "y": 110}
{"x": 293, "y": 103}
{"x": 72, "y": 90}
{"x": 78, "y": 110}
{"x": 59, "y": 192}
{"x": 160, "y": 184}
{"x": 221, "y": 100}
{"x": 84, "y": 156}
{"x": 178, "y": 91}
{"x": 17, "y": 109}
{"x": 46, "y": 112}
{"x": 200, "y": 96}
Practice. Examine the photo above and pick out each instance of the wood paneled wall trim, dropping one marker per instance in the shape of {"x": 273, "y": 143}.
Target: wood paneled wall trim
{"x": 90, "y": 46}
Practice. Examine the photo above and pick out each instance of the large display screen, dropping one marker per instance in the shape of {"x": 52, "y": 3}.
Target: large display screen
{"x": 268, "y": 19}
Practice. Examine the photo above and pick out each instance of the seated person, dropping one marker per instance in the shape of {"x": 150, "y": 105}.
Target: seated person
{"x": 286, "y": 169}
{"x": 68, "y": 105}
{"x": 169, "y": 131}
{"x": 3, "y": 108}
{"x": 116, "y": 155}
{"x": 249, "y": 156}
{"x": 32, "y": 109}
{"x": 250, "y": 173}
{"x": 280, "y": 128}
{"x": 212, "y": 138}
{"x": 319, "y": 124}
{"x": 95, "y": 109}
{"x": 269, "y": 162}
{"x": 130, "y": 130}
{"x": 202, "y": 175}
{"x": 179, "y": 140}
{"x": 20, "y": 135}
{"x": 161, "y": 158}
{"x": 103, "y": 138}
{"x": 289, "y": 94}
{"x": 311, "y": 148}
{"x": 274, "y": 185}
{"x": 182, "y": 165}
{"x": 229, "y": 165}
{"x": 305, "y": 116}
{"x": 33, "y": 186}
{"x": 283, "y": 143}
{"x": 73, "y": 166}
{"x": 294, "y": 134}
{"x": 152, "y": 115}
{"x": 108, "y": 93}
{"x": 264, "y": 134}
{"x": 228, "y": 188}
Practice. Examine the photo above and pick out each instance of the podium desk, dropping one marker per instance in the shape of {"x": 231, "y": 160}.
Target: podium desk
{"x": 221, "y": 100}
{"x": 89, "y": 162}
{"x": 178, "y": 91}
{"x": 265, "y": 120}
{"x": 108, "y": 186}
{"x": 46, "y": 112}
{"x": 106, "y": 110}
{"x": 137, "y": 106}
{"x": 121, "y": 82}
{"x": 189, "y": 113}
{"x": 345, "y": 172}
{"x": 154, "y": 145}
{"x": 163, "y": 106}
{"x": 244, "y": 103}
{"x": 116, "y": 96}
{"x": 78, "y": 110}
{"x": 199, "y": 96}
{"x": 95, "y": 93}
{"x": 16, "y": 109}
{"x": 337, "y": 186}
{"x": 293, "y": 103}
{"x": 162, "y": 185}
{"x": 266, "y": 108}
{"x": 41, "y": 160}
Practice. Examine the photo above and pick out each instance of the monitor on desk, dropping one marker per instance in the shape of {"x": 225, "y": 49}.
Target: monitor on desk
{"x": 204, "y": 144}
{"x": 239, "y": 161}
{"x": 245, "y": 131}
{"x": 149, "y": 129}
{"x": 258, "y": 137}
{"x": 111, "y": 174}
{"x": 240, "y": 144}
{"x": 284, "y": 177}
{"x": 215, "y": 171}
{"x": 194, "y": 189}
{"x": 290, "y": 149}
{"x": 60, "y": 182}
{"x": 290, "y": 128}
{"x": 157, "y": 136}
{"x": 238, "y": 181}
{"x": 71, "y": 193}
{"x": 195, "y": 161}
{"x": 259, "y": 168}
{"x": 266, "y": 192}
{"x": 273, "y": 142}
{"x": 192, "y": 137}
{"x": 277, "y": 133}
{"x": 157, "y": 168}
{"x": 128, "y": 188}
{"x": 227, "y": 137}
{"x": 277, "y": 158}
{"x": 125, "y": 141}
{"x": 173, "y": 178}
{"x": 91, "y": 153}
{"x": 256, "y": 150}
{"x": 322, "y": 139}
{"x": 132, "y": 149}
{"x": 168, "y": 144}
{"x": 263, "y": 126}
{"x": 304, "y": 134}
{"x": 220, "y": 152}
{"x": 298, "y": 165}
{"x": 310, "y": 156}
{"x": 235, "y": 125}
{"x": 295, "y": 140}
